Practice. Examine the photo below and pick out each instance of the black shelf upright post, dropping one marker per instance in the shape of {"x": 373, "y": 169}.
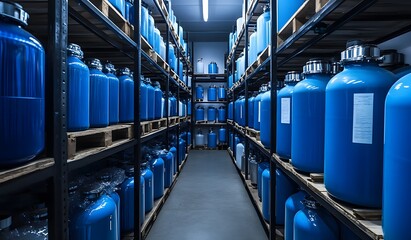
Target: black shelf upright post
{"x": 166, "y": 99}
{"x": 247, "y": 143}
{"x": 57, "y": 77}
{"x": 233, "y": 97}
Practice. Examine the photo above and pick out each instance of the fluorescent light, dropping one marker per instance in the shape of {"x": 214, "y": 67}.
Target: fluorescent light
{"x": 205, "y": 10}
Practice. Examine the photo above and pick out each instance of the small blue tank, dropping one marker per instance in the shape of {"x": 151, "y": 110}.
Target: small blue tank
{"x": 200, "y": 113}
{"x": 314, "y": 222}
{"x": 143, "y": 100}
{"x": 308, "y": 106}
{"x": 142, "y": 200}
{"x": 99, "y": 94}
{"x": 174, "y": 105}
{"x": 262, "y": 29}
{"x": 128, "y": 12}
{"x": 78, "y": 92}
{"x": 284, "y": 113}
{"x": 231, "y": 141}
{"x": 148, "y": 176}
{"x": 188, "y": 138}
{"x": 199, "y": 92}
{"x": 127, "y": 202}
{"x": 242, "y": 111}
{"x": 252, "y": 51}
{"x": 212, "y": 93}
{"x": 151, "y": 30}
{"x": 212, "y": 139}
{"x": 230, "y": 111}
{"x": 144, "y": 21}
{"x": 293, "y": 204}
{"x": 157, "y": 40}
{"x": 120, "y": 5}
{"x": 251, "y": 111}
{"x": 158, "y": 95}
{"x": 212, "y": 68}
{"x": 114, "y": 91}
{"x": 168, "y": 167}
{"x": 181, "y": 150}
{"x": 355, "y": 106}
{"x": 157, "y": 166}
{"x": 265, "y": 123}
{"x": 171, "y": 56}
{"x": 173, "y": 150}
{"x": 222, "y": 117}
{"x": 257, "y": 107}
{"x": 126, "y": 96}
{"x": 189, "y": 107}
{"x": 261, "y": 167}
{"x": 211, "y": 114}
{"x": 150, "y": 99}
{"x": 181, "y": 71}
{"x": 222, "y": 135}
{"x": 221, "y": 93}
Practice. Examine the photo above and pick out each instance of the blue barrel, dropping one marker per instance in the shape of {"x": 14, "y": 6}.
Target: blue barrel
{"x": 99, "y": 94}
{"x": 127, "y": 202}
{"x": 211, "y": 114}
{"x": 293, "y": 204}
{"x": 143, "y": 100}
{"x": 212, "y": 139}
{"x": 284, "y": 113}
{"x": 181, "y": 150}
{"x": 142, "y": 200}
{"x": 222, "y": 117}
{"x": 230, "y": 81}
{"x": 157, "y": 40}
{"x": 168, "y": 167}
{"x": 262, "y": 29}
{"x": 199, "y": 92}
{"x": 212, "y": 68}
{"x": 158, "y": 95}
{"x": 237, "y": 111}
{"x": 222, "y": 135}
{"x": 354, "y": 132}
{"x": 212, "y": 93}
{"x": 396, "y": 160}
{"x": 221, "y": 93}
{"x": 308, "y": 107}
{"x": 181, "y": 71}
{"x": 126, "y": 96}
{"x": 252, "y": 52}
{"x": 151, "y": 30}
{"x": 188, "y": 138}
{"x": 78, "y": 92}
{"x": 251, "y": 111}
{"x": 314, "y": 222}
{"x": 261, "y": 167}
{"x": 150, "y": 100}
{"x": 285, "y": 10}
{"x": 200, "y": 114}
{"x": 148, "y": 176}
{"x": 144, "y": 22}
{"x": 114, "y": 93}
{"x": 22, "y": 89}
{"x": 173, "y": 150}
{"x": 189, "y": 107}
{"x": 171, "y": 56}
{"x": 174, "y": 105}
{"x": 268, "y": 32}
{"x": 157, "y": 166}
{"x": 257, "y": 107}
{"x": 230, "y": 111}
{"x": 128, "y": 12}
{"x": 265, "y": 123}
{"x": 120, "y": 5}
{"x": 242, "y": 113}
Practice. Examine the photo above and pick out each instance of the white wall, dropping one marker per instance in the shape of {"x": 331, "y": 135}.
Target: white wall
{"x": 402, "y": 44}
{"x": 210, "y": 52}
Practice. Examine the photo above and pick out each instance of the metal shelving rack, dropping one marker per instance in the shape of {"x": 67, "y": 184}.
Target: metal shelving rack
{"x": 323, "y": 35}
{"x": 82, "y": 22}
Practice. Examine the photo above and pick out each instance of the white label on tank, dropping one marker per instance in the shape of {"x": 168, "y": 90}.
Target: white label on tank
{"x": 285, "y": 110}
{"x": 363, "y": 118}
{"x": 259, "y": 111}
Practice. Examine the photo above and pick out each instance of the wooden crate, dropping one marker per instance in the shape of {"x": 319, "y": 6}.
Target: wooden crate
{"x": 174, "y": 121}
{"x": 151, "y": 126}
{"x": 13, "y": 173}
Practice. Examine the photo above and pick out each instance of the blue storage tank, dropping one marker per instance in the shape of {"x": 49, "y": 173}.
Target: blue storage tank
{"x": 354, "y": 132}
{"x": 262, "y": 29}
{"x": 222, "y": 135}
{"x": 158, "y": 95}
{"x": 142, "y": 200}
{"x": 173, "y": 150}
{"x": 128, "y": 15}
{"x": 212, "y": 68}
{"x": 230, "y": 81}
{"x": 221, "y": 93}
{"x": 151, "y": 30}
{"x": 252, "y": 51}
{"x": 144, "y": 21}
{"x": 212, "y": 93}
{"x": 251, "y": 111}
{"x": 168, "y": 167}
{"x": 199, "y": 92}
{"x": 127, "y": 202}
{"x": 268, "y": 31}
{"x": 181, "y": 71}
{"x": 150, "y": 99}
{"x": 148, "y": 176}
{"x": 189, "y": 107}
{"x": 114, "y": 93}
{"x": 143, "y": 100}
{"x": 285, "y": 10}
{"x": 308, "y": 106}
{"x": 157, "y": 40}
{"x": 22, "y": 89}
{"x": 157, "y": 167}
{"x": 261, "y": 167}
{"x": 242, "y": 111}
{"x": 171, "y": 56}
{"x": 257, "y": 106}
{"x": 200, "y": 114}
{"x": 99, "y": 94}
{"x": 265, "y": 119}
{"x": 211, "y": 114}
{"x": 120, "y": 5}
{"x": 78, "y": 92}
{"x": 181, "y": 150}
{"x": 212, "y": 139}
{"x": 284, "y": 113}
{"x": 314, "y": 222}
{"x": 174, "y": 105}
{"x": 293, "y": 204}
{"x": 126, "y": 96}
{"x": 230, "y": 111}
{"x": 222, "y": 117}
{"x": 397, "y": 158}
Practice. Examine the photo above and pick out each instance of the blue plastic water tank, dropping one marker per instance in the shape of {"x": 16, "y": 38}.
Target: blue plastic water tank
{"x": 262, "y": 29}
{"x": 144, "y": 22}
{"x": 158, "y": 95}
{"x": 355, "y": 106}
{"x": 127, "y": 202}
{"x": 212, "y": 139}
{"x": 257, "y": 107}
{"x": 157, "y": 40}
{"x": 211, "y": 114}
{"x": 129, "y": 7}
{"x": 173, "y": 151}
{"x": 261, "y": 167}
{"x": 212, "y": 68}
{"x": 126, "y": 96}
{"x": 199, "y": 92}
{"x": 143, "y": 100}
{"x": 151, "y": 30}
{"x": 78, "y": 92}
{"x": 252, "y": 52}
{"x": 230, "y": 111}
{"x": 99, "y": 94}
{"x": 265, "y": 123}
{"x": 293, "y": 204}
{"x": 181, "y": 150}
{"x": 171, "y": 56}
{"x": 222, "y": 117}
{"x": 308, "y": 107}
{"x": 221, "y": 93}
{"x": 251, "y": 111}
{"x": 242, "y": 111}
{"x": 222, "y": 135}
{"x": 157, "y": 166}
{"x": 200, "y": 114}
{"x": 174, "y": 105}
{"x": 189, "y": 107}
{"x": 212, "y": 93}
{"x": 168, "y": 167}
{"x": 150, "y": 99}
{"x": 284, "y": 113}
{"x": 142, "y": 200}
{"x": 148, "y": 185}
{"x": 120, "y": 5}
{"x": 114, "y": 91}
{"x": 285, "y": 10}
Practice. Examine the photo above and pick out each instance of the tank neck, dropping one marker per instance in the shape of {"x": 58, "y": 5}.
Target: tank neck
{"x": 360, "y": 64}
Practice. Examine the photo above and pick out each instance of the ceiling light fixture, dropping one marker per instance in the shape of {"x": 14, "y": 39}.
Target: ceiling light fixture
{"x": 205, "y": 10}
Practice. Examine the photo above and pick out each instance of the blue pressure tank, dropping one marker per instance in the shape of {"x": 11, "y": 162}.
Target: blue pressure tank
{"x": 181, "y": 150}
{"x": 230, "y": 111}
{"x": 158, "y": 95}
{"x": 212, "y": 93}
{"x": 237, "y": 110}
{"x": 252, "y": 51}
{"x": 127, "y": 202}
{"x": 354, "y": 132}
{"x": 308, "y": 107}
{"x": 151, "y": 30}
{"x": 212, "y": 139}
{"x": 221, "y": 93}
{"x": 262, "y": 29}
{"x": 314, "y": 222}
{"x": 150, "y": 100}
{"x": 212, "y": 68}
{"x": 397, "y": 158}
{"x": 265, "y": 119}
{"x": 168, "y": 167}
{"x": 120, "y": 5}
{"x": 200, "y": 114}
{"x": 199, "y": 92}
{"x": 78, "y": 92}
{"x": 181, "y": 71}
{"x": 285, "y": 10}
{"x": 211, "y": 114}
{"x": 114, "y": 91}
{"x": 284, "y": 113}
{"x": 189, "y": 107}
{"x": 174, "y": 105}
{"x": 148, "y": 176}
{"x": 157, "y": 166}
{"x": 293, "y": 204}
{"x": 126, "y": 96}
{"x": 171, "y": 56}
{"x": 261, "y": 167}
{"x": 157, "y": 40}
{"x": 142, "y": 200}
{"x": 230, "y": 81}
{"x": 143, "y": 100}
{"x": 222, "y": 135}
{"x": 222, "y": 117}
{"x": 128, "y": 12}
{"x": 251, "y": 111}
{"x": 173, "y": 151}
{"x": 99, "y": 94}
{"x": 22, "y": 89}
{"x": 257, "y": 106}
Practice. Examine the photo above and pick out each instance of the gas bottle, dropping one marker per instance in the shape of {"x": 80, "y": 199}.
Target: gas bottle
{"x": 230, "y": 111}
{"x": 99, "y": 94}
{"x": 127, "y": 202}
{"x": 144, "y": 21}
{"x": 211, "y": 114}
{"x": 148, "y": 176}
{"x": 293, "y": 204}
{"x": 396, "y": 159}
{"x": 150, "y": 99}
{"x": 222, "y": 135}
{"x": 355, "y": 105}
{"x": 199, "y": 92}
{"x": 252, "y": 51}
{"x": 313, "y": 223}
{"x": 262, "y": 29}
{"x": 78, "y": 92}
{"x": 261, "y": 167}
{"x": 158, "y": 95}
{"x": 212, "y": 93}
{"x": 212, "y": 139}
{"x": 157, "y": 166}
{"x": 114, "y": 93}
{"x": 257, "y": 107}
{"x": 120, "y": 5}
{"x": 173, "y": 151}
{"x": 222, "y": 115}
{"x": 200, "y": 66}
{"x": 251, "y": 111}
{"x": 265, "y": 123}
{"x": 200, "y": 139}
{"x": 239, "y": 152}
{"x": 168, "y": 167}
{"x": 143, "y": 100}
{"x": 181, "y": 150}
{"x": 151, "y": 30}
{"x": 221, "y": 93}
{"x": 284, "y": 113}
{"x": 126, "y": 96}
{"x": 212, "y": 68}
{"x": 253, "y": 166}
{"x": 200, "y": 113}
{"x": 308, "y": 106}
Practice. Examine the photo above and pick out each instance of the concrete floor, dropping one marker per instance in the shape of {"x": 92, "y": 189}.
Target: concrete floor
{"x": 208, "y": 202}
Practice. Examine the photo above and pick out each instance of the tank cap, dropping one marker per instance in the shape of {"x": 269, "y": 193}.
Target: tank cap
{"x": 5, "y": 222}
{"x": 75, "y": 50}
{"x": 13, "y": 11}
{"x": 266, "y": 8}
{"x": 358, "y": 51}
{"x": 317, "y": 66}
{"x": 126, "y": 71}
{"x": 94, "y": 63}
{"x": 93, "y": 190}
{"x": 335, "y": 68}
{"x": 292, "y": 76}
{"x": 109, "y": 67}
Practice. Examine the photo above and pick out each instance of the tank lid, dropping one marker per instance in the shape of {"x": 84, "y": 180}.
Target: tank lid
{"x": 266, "y": 8}
{"x": 5, "y": 222}
{"x": 213, "y": 63}
{"x": 358, "y": 51}
{"x": 292, "y": 76}
{"x": 109, "y": 67}
{"x": 125, "y": 71}
{"x": 13, "y": 11}
{"x": 264, "y": 88}
{"x": 317, "y": 66}
{"x": 75, "y": 50}
{"x": 94, "y": 63}
{"x": 93, "y": 190}
{"x": 130, "y": 171}
{"x": 200, "y": 60}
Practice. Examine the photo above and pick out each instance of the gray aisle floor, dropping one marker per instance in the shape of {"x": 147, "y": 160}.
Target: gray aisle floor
{"x": 208, "y": 202}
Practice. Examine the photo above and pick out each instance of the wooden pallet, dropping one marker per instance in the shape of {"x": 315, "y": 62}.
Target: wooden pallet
{"x": 145, "y": 46}
{"x": 163, "y": 7}
{"x": 97, "y": 137}
{"x": 199, "y": 100}
{"x": 253, "y": 133}
{"x": 201, "y": 122}
{"x": 36, "y": 165}
{"x": 240, "y": 128}
{"x": 229, "y": 121}
{"x": 260, "y": 59}
{"x": 174, "y": 121}
{"x": 308, "y": 9}
{"x": 151, "y": 126}
{"x": 174, "y": 75}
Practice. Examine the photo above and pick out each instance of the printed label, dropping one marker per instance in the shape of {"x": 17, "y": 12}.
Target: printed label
{"x": 363, "y": 118}
{"x": 285, "y": 110}
{"x": 259, "y": 111}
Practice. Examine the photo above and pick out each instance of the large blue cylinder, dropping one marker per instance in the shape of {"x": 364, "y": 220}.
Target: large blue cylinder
{"x": 99, "y": 94}
{"x": 171, "y": 56}
{"x": 222, "y": 117}
{"x": 313, "y": 223}
{"x": 262, "y": 30}
{"x": 212, "y": 93}
{"x": 151, "y": 30}
{"x": 284, "y": 113}
{"x": 158, "y": 95}
{"x": 148, "y": 176}
{"x": 212, "y": 139}
{"x": 126, "y": 96}
{"x": 173, "y": 151}
{"x": 221, "y": 93}
{"x": 308, "y": 107}
{"x": 174, "y": 105}
{"x": 261, "y": 167}
{"x": 257, "y": 107}
{"x": 143, "y": 100}
{"x": 212, "y": 68}
{"x": 142, "y": 200}
{"x": 168, "y": 167}
{"x": 78, "y": 92}
{"x": 157, "y": 40}
{"x": 200, "y": 114}
{"x": 157, "y": 166}
{"x": 120, "y": 5}
{"x": 293, "y": 204}
{"x": 286, "y": 10}
{"x": 22, "y": 91}
{"x": 127, "y": 202}
{"x": 252, "y": 52}
{"x": 114, "y": 91}
{"x": 181, "y": 150}
{"x": 397, "y": 156}
{"x": 242, "y": 111}
{"x": 144, "y": 22}
{"x": 222, "y": 135}
{"x": 354, "y": 132}
{"x": 199, "y": 92}
{"x": 251, "y": 112}
{"x": 150, "y": 100}
{"x": 189, "y": 107}
{"x": 211, "y": 114}
{"x": 265, "y": 123}
{"x": 230, "y": 111}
